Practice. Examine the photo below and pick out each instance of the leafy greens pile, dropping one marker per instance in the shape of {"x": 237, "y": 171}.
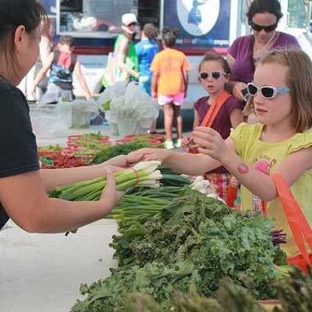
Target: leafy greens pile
{"x": 194, "y": 240}
{"x": 229, "y": 298}
{"x": 295, "y": 292}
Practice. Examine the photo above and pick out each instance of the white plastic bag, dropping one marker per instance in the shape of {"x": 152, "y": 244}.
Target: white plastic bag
{"x": 142, "y": 103}
{"x": 82, "y": 112}
{"x": 134, "y": 111}
{"x": 117, "y": 106}
{"x": 117, "y": 89}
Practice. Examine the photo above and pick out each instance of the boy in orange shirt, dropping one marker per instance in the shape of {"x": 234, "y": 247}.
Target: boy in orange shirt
{"x": 169, "y": 84}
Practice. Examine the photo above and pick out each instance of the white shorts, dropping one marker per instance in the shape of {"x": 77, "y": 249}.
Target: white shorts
{"x": 176, "y": 99}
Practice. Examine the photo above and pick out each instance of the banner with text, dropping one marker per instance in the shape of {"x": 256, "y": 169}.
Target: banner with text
{"x": 202, "y": 23}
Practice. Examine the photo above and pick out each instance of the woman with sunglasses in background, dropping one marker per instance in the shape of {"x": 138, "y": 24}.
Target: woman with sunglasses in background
{"x": 219, "y": 110}
{"x": 281, "y": 143}
{"x": 243, "y": 55}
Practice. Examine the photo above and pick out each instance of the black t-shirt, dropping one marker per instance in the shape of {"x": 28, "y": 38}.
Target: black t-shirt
{"x": 18, "y": 149}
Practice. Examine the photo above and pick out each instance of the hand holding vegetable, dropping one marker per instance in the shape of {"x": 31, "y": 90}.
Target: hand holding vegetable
{"x": 142, "y": 174}
{"x": 110, "y": 195}
{"x": 210, "y": 142}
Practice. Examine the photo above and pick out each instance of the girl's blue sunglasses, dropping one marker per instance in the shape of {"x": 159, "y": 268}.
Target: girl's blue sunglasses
{"x": 267, "y": 92}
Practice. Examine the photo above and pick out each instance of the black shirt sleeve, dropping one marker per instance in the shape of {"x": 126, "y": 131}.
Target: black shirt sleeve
{"x": 17, "y": 142}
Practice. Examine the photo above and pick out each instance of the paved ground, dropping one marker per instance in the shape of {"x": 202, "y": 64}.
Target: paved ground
{"x": 42, "y": 273}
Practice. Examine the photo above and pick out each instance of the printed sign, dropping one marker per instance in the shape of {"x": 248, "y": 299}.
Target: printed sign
{"x": 50, "y": 6}
{"x": 202, "y": 23}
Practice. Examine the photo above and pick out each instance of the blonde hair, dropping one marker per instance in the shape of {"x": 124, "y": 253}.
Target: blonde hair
{"x": 249, "y": 114}
{"x": 249, "y": 107}
{"x": 299, "y": 80}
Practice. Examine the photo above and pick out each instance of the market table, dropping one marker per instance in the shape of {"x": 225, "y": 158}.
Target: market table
{"x": 61, "y": 140}
{"x": 43, "y": 272}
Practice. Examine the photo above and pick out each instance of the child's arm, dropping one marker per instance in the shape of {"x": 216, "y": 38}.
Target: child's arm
{"x": 259, "y": 183}
{"x": 236, "y": 117}
{"x": 186, "y": 82}
{"x": 154, "y": 85}
{"x": 188, "y": 138}
{"x": 196, "y": 122}
{"x": 82, "y": 80}
{"x": 295, "y": 164}
{"x": 42, "y": 72}
{"x": 192, "y": 164}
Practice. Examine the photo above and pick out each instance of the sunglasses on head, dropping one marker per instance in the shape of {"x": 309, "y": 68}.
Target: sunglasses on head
{"x": 257, "y": 27}
{"x": 215, "y": 75}
{"x": 267, "y": 92}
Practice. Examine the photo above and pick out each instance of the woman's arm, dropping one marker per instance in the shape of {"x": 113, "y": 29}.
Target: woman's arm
{"x": 53, "y": 178}
{"x": 234, "y": 87}
{"x": 122, "y": 52}
{"x": 28, "y": 205}
{"x": 231, "y": 60}
{"x": 57, "y": 177}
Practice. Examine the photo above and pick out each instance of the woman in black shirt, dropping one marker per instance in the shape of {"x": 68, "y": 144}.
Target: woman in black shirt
{"x": 23, "y": 186}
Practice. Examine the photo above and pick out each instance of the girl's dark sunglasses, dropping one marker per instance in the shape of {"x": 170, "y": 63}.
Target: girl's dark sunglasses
{"x": 215, "y": 75}
{"x": 257, "y": 27}
{"x": 267, "y": 92}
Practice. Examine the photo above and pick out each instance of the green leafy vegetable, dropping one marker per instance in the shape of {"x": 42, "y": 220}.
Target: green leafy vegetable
{"x": 122, "y": 149}
{"x": 194, "y": 240}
